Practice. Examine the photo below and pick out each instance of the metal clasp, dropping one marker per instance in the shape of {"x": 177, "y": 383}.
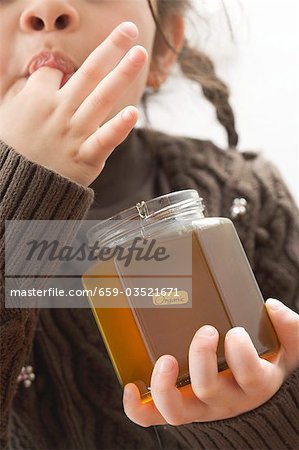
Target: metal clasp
{"x": 142, "y": 209}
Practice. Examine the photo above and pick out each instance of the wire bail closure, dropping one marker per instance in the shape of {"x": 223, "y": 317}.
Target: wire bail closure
{"x": 142, "y": 209}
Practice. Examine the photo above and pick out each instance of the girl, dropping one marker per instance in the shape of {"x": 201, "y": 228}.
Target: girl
{"x": 72, "y": 73}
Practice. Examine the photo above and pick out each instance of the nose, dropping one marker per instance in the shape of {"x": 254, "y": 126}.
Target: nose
{"x": 49, "y": 15}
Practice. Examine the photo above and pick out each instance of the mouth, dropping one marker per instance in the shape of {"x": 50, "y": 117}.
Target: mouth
{"x": 56, "y": 60}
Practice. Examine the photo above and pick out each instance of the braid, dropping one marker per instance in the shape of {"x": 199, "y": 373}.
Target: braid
{"x": 198, "y": 67}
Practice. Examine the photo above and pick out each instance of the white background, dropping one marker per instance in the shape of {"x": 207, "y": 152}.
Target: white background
{"x": 259, "y": 62}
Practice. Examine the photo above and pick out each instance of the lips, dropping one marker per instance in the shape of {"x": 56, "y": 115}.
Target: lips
{"x": 55, "y": 60}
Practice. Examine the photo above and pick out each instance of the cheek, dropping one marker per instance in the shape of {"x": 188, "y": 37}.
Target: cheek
{"x": 147, "y": 30}
{"x": 9, "y": 57}
{"x": 5, "y": 67}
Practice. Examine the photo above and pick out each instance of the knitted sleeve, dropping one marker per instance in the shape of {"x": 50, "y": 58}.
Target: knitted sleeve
{"x": 28, "y": 192}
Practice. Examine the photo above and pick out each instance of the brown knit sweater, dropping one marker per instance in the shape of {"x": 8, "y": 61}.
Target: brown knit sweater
{"x": 76, "y": 401}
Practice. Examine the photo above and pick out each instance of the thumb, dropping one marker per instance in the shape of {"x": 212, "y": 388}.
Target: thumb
{"x": 286, "y": 325}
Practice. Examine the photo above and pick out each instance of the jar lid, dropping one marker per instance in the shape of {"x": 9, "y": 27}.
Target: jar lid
{"x": 135, "y": 220}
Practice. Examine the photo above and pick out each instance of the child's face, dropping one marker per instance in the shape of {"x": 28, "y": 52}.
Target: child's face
{"x": 84, "y": 25}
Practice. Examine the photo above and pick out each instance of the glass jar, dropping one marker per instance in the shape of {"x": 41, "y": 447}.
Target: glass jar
{"x": 151, "y": 303}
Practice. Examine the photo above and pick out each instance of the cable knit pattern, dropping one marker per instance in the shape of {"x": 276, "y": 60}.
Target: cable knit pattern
{"x": 267, "y": 427}
{"x": 76, "y": 401}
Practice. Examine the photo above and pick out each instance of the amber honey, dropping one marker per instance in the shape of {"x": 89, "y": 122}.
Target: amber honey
{"x": 224, "y": 294}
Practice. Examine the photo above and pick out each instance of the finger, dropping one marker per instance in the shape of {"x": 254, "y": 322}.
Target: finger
{"x": 148, "y": 414}
{"x": 176, "y": 406}
{"x": 96, "y": 149}
{"x": 203, "y": 363}
{"x": 142, "y": 414}
{"x": 286, "y": 325}
{"x": 99, "y": 103}
{"x": 249, "y": 370}
{"x": 166, "y": 396}
{"x": 98, "y": 64}
{"x": 46, "y": 79}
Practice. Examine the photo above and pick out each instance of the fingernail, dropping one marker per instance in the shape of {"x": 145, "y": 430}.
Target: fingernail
{"x": 207, "y": 330}
{"x": 136, "y": 55}
{"x": 165, "y": 365}
{"x": 237, "y": 330}
{"x": 274, "y": 304}
{"x": 127, "y": 115}
{"x": 127, "y": 394}
{"x": 129, "y": 29}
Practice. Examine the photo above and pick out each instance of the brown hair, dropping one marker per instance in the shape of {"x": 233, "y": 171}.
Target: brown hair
{"x": 197, "y": 66}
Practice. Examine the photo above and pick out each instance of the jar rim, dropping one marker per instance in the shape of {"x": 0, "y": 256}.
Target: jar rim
{"x": 145, "y": 212}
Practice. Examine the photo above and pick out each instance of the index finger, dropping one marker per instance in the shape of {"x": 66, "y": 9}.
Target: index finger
{"x": 98, "y": 64}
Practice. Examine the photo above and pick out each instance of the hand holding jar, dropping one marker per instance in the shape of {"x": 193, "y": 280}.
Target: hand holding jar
{"x": 250, "y": 382}
{"x": 218, "y": 356}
